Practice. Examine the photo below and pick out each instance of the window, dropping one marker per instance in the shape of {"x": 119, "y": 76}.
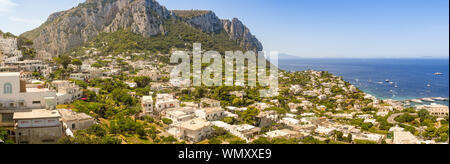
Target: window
{"x": 7, "y": 117}
{"x": 7, "y": 88}
{"x": 73, "y": 126}
{"x": 36, "y": 102}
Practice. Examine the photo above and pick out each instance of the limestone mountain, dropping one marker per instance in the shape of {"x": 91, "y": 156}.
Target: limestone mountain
{"x": 69, "y": 29}
{"x": 210, "y": 23}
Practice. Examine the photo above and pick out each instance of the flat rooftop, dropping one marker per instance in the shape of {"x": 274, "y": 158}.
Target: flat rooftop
{"x": 195, "y": 124}
{"x": 71, "y": 115}
{"x": 208, "y": 100}
{"x": 213, "y": 110}
{"x": 281, "y": 133}
{"x": 246, "y": 127}
{"x": 60, "y": 81}
{"x": 36, "y": 114}
{"x": 147, "y": 98}
{"x": 31, "y": 90}
{"x": 9, "y": 74}
{"x": 176, "y": 113}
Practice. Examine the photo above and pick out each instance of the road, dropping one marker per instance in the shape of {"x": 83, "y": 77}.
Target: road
{"x": 391, "y": 118}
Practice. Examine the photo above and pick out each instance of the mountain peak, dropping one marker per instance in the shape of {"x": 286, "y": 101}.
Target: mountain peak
{"x": 189, "y": 14}
{"x": 69, "y": 29}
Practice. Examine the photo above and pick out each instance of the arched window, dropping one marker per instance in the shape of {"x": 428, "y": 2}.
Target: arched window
{"x": 7, "y": 88}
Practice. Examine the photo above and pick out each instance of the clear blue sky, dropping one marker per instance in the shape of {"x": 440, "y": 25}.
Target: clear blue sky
{"x": 307, "y": 28}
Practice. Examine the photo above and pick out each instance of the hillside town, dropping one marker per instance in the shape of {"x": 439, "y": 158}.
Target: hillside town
{"x": 95, "y": 98}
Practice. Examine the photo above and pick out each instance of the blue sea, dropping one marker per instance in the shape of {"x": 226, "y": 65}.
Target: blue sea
{"x": 414, "y": 77}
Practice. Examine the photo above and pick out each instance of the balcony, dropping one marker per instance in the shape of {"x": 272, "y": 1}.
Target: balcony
{"x": 12, "y": 105}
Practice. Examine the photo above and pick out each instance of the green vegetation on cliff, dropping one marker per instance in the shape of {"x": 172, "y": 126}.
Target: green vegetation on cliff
{"x": 188, "y": 14}
{"x": 180, "y": 36}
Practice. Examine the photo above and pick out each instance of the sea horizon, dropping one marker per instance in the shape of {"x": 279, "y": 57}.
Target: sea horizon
{"x": 414, "y": 77}
{"x": 285, "y": 56}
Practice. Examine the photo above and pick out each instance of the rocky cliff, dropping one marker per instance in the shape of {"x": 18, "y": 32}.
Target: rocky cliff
{"x": 237, "y": 31}
{"x": 66, "y": 30}
{"x": 208, "y": 22}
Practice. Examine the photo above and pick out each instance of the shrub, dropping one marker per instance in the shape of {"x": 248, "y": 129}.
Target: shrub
{"x": 167, "y": 121}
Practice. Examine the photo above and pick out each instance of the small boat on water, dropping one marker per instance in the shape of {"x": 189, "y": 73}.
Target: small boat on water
{"x": 440, "y": 99}
{"x": 429, "y": 85}
{"x": 428, "y": 100}
{"x": 438, "y": 73}
{"x": 387, "y": 80}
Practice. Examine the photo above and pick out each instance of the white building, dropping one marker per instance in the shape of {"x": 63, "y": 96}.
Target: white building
{"x": 147, "y": 105}
{"x": 435, "y": 109}
{"x": 290, "y": 121}
{"x": 14, "y": 96}
{"x": 39, "y": 126}
{"x": 154, "y": 75}
{"x": 209, "y": 103}
{"x": 131, "y": 84}
{"x": 9, "y": 50}
{"x": 308, "y": 114}
{"x": 343, "y": 115}
{"x": 364, "y": 116}
{"x": 295, "y": 89}
{"x": 401, "y": 137}
{"x": 211, "y": 114}
{"x": 78, "y": 76}
{"x": 310, "y": 93}
{"x": 181, "y": 83}
{"x": 166, "y": 101}
{"x": 180, "y": 114}
{"x": 285, "y": 133}
{"x": 44, "y": 56}
{"x": 322, "y": 97}
{"x": 28, "y": 65}
{"x": 76, "y": 121}
{"x": 267, "y": 118}
{"x": 262, "y": 106}
{"x": 67, "y": 91}
{"x": 353, "y": 89}
{"x": 328, "y": 85}
{"x": 324, "y": 131}
{"x": 245, "y": 131}
{"x": 372, "y": 121}
{"x": 95, "y": 73}
{"x": 194, "y": 130}
{"x": 377, "y": 138}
